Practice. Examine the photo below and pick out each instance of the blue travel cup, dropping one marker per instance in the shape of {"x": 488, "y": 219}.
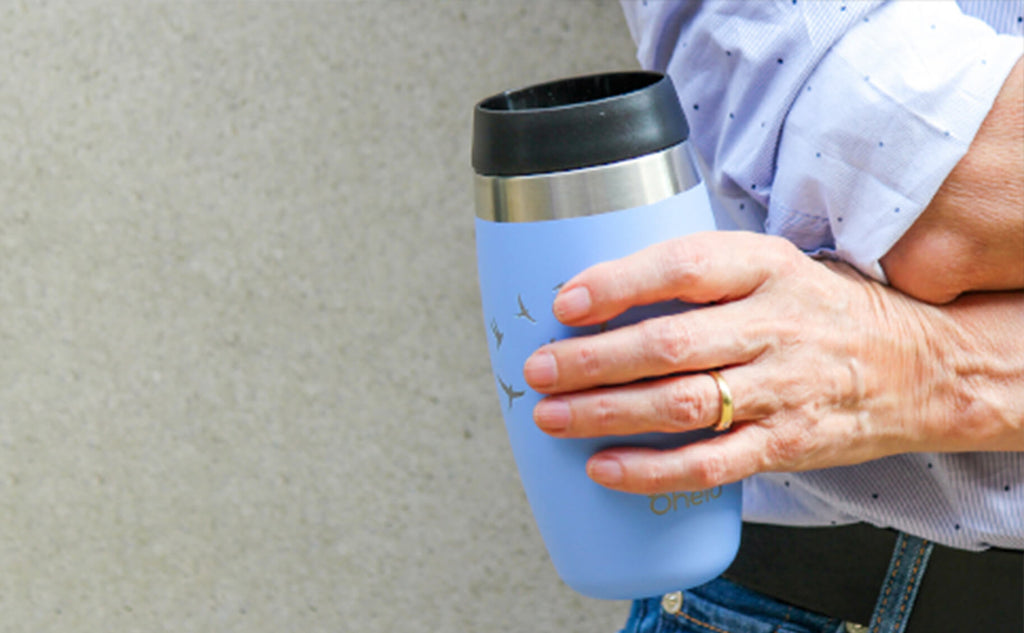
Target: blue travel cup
{"x": 569, "y": 174}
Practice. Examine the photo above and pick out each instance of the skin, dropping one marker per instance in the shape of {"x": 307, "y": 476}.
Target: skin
{"x": 835, "y": 369}
{"x": 971, "y": 235}
{"x": 826, "y": 367}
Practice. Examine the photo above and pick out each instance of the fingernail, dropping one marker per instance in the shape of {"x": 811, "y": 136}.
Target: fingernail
{"x": 572, "y": 304}
{"x": 605, "y": 470}
{"x": 552, "y": 415}
{"x": 540, "y": 370}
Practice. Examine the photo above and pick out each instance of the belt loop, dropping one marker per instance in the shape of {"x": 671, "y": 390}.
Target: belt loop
{"x": 896, "y": 599}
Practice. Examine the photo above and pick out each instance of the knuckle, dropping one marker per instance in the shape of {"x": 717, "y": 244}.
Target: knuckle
{"x": 682, "y": 408}
{"x": 666, "y": 341}
{"x": 654, "y": 479}
{"x": 604, "y": 413}
{"x": 709, "y": 471}
{"x": 782, "y": 247}
{"x": 783, "y": 255}
{"x": 682, "y": 263}
{"x": 787, "y": 332}
{"x": 588, "y": 361}
{"x": 787, "y": 446}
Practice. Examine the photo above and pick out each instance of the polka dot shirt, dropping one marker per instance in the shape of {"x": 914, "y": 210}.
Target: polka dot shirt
{"x": 833, "y": 124}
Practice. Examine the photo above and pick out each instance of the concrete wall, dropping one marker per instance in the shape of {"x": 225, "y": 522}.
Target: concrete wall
{"x": 243, "y": 373}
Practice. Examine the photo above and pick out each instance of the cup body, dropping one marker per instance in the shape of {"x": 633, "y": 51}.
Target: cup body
{"x": 534, "y": 232}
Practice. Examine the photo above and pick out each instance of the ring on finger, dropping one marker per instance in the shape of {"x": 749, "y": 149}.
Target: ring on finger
{"x": 725, "y": 396}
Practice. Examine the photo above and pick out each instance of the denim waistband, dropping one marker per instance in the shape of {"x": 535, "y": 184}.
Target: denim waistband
{"x": 722, "y": 606}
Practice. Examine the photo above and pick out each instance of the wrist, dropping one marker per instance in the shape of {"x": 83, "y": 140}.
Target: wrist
{"x": 978, "y": 390}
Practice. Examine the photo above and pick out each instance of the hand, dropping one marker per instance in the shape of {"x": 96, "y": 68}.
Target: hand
{"x": 971, "y": 235}
{"x": 826, "y": 367}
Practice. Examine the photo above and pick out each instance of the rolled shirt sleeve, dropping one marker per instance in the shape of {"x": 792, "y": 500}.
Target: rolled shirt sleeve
{"x": 833, "y": 123}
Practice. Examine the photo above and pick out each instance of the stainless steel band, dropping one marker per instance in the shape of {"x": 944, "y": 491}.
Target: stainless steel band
{"x": 589, "y": 191}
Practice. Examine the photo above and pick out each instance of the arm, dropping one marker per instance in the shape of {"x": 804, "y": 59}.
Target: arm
{"x": 971, "y": 235}
{"x": 840, "y": 148}
{"x": 837, "y": 369}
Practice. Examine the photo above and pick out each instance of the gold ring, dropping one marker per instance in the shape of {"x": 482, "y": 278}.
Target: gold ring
{"x": 725, "y": 417}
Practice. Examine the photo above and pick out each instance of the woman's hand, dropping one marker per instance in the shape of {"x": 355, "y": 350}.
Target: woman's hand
{"x": 826, "y": 368}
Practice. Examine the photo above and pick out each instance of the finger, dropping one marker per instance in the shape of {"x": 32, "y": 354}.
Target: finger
{"x": 718, "y": 461}
{"x": 700, "y": 268}
{"x": 781, "y": 443}
{"x": 669, "y": 405}
{"x": 701, "y": 339}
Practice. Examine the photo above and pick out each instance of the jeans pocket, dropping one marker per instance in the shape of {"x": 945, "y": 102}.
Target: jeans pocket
{"x": 700, "y": 615}
{"x": 723, "y": 607}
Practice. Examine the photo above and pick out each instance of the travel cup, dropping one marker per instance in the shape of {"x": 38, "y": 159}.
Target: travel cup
{"x": 568, "y": 174}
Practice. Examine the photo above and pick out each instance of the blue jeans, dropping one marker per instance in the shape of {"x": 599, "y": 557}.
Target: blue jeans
{"x": 721, "y": 606}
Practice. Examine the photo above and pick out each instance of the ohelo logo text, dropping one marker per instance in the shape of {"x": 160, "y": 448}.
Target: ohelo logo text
{"x": 663, "y": 504}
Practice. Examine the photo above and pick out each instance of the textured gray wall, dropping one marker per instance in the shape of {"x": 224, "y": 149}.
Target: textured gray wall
{"x": 243, "y": 373}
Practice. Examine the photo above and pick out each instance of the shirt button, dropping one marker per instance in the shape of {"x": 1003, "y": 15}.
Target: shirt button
{"x": 672, "y": 602}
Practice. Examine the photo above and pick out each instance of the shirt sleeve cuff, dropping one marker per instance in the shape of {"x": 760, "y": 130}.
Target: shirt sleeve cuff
{"x": 879, "y": 125}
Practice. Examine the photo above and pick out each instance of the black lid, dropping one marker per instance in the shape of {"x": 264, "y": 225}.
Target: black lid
{"x": 576, "y": 122}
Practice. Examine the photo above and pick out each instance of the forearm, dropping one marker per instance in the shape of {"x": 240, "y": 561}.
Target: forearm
{"x": 978, "y": 392}
{"x": 971, "y": 235}
{"x": 867, "y": 148}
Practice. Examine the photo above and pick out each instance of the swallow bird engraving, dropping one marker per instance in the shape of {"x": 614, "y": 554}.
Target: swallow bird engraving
{"x": 523, "y": 312}
{"x": 510, "y": 392}
{"x": 498, "y": 334}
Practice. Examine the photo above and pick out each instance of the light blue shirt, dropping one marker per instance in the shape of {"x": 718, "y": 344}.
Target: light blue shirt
{"x": 833, "y": 124}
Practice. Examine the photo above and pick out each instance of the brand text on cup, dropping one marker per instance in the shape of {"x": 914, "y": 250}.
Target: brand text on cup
{"x": 663, "y": 504}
